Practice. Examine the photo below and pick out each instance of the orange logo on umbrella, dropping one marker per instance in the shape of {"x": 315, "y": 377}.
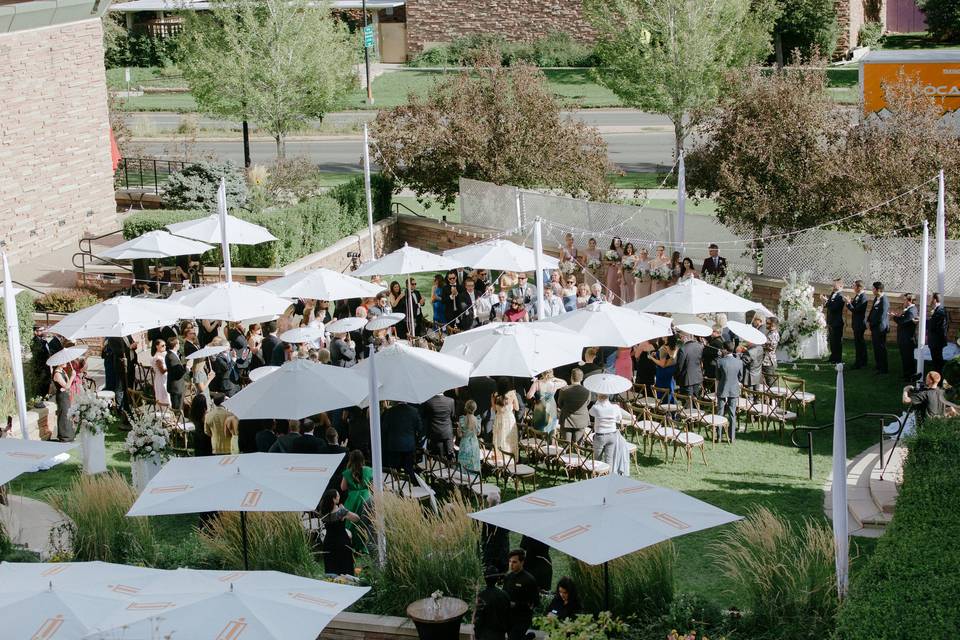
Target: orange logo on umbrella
{"x": 149, "y": 606}
{"x": 252, "y": 498}
{"x": 233, "y": 630}
{"x": 302, "y": 597}
{"x": 231, "y": 577}
{"x": 48, "y": 629}
{"x": 572, "y": 532}
{"x": 307, "y": 469}
{"x": 52, "y": 571}
{"x": 177, "y": 488}
{"x": 28, "y": 456}
{"x": 629, "y": 490}
{"x": 668, "y": 519}
{"x": 540, "y": 502}
{"x": 227, "y": 460}
{"x": 122, "y": 588}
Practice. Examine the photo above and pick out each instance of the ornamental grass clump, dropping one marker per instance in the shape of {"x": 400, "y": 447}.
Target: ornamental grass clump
{"x": 426, "y": 552}
{"x": 98, "y": 527}
{"x": 786, "y": 573}
{"x": 275, "y": 542}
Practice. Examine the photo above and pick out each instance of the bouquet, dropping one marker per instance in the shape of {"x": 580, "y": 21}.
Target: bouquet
{"x": 800, "y": 319}
{"x": 733, "y": 281}
{"x": 148, "y": 437}
{"x": 629, "y": 262}
{"x": 92, "y": 414}
{"x": 568, "y": 267}
{"x": 612, "y": 255}
{"x": 662, "y": 273}
{"x": 594, "y": 263}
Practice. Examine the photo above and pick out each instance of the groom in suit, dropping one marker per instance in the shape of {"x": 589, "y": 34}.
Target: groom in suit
{"x": 879, "y": 321}
{"x": 714, "y": 264}
{"x": 937, "y": 332}
{"x": 907, "y": 323}
{"x": 833, "y": 306}
{"x": 858, "y": 313}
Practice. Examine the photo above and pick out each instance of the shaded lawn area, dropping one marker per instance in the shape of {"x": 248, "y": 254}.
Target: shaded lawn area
{"x": 915, "y": 40}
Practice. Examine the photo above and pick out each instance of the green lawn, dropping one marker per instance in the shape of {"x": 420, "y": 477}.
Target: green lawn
{"x": 918, "y": 40}
{"x": 176, "y": 102}
{"x": 156, "y": 77}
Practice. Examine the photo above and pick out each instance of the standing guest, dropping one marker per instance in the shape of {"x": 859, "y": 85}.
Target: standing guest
{"x": 415, "y": 305}
{"x": 583, "y": 295}
{"x": 308, "y": 442}
{"x": 507, "y": 280}
{"x": 521, "y": 587}
{"x": 937, "y": 332}
{"x": 494, "y": 540}
{"x": 451, "y": 296}
{"x": 482, "y": 281}
{"x": 202, "y": 443}
{"x": 687, "y": 269}
{"x": 552, "y": 305}
{"x": 712, "y": 350}
{"x": 401, "y": 429}
{"x": 219, "y": 426}
{"x": 208, "y": 330}
{"x": 176, "y": 375}
{"x": 266, "y": 438}
{"x": 200, "y": 378}
{"x": 644, "y": 370}
{"x": 566, "y": 602}
{"x": 160, "y": 393}
{"x": 226, "y": 375}
{"x": 286, "y": 439}
{"x": 606, "y": 417}
{"x": 337, "y": 554}
{"x": 568, "y": 252}
{"x": 569, "y": 293}
{"x": 525, "y": 292}
{"x": 247, "y": 431}
{"x": 642, "y": 283}
{"x": 254, "y": 336}
{"x": 504, "y": 403}
{"x": 191, "y": 343}
{"x": 516, "y": 313}
{"x": 628, "y": 287}
{"x": 62, "y": 377}
{"x": 538, "y": 561}
{"x": 321, "y": 312}
{"x": 879, "y": 321}
{"x": 491, "y": 615}
{"x": 592, "y": 256}
{"x": 614, "y": 268}
{"x": 79, "y": 367}
{"x": 833, "y": 306}
{"x": 589, "y": 365}
{"x": 270, "y": 342}
{"x": 466, "y": 306}
{"x": 858, "y": 316}
{"x": 343, "y": 351}
{"x": 469, "y": 427}
{"x": 752, "y": 357}
{"x": 480, "y": 389}
{"x": 676, "y": 267}
{"x": 40, "y": 352}
{"x": 729, "y": 377}
{"x": 396, "y": 298}
{"x": 757, "y": 323}
{"x": 689, "y": 373}
{"x": 355, "y": 482}
{"x": 436, "y": 299}
{"x": 714, "y": 265}
{"x": 544, "y": 389}
{"x": 907, "y": 322}
{"x": 665, "y": 360}
{"x": 438, "y": 414}
{"x": 769, "y": 364}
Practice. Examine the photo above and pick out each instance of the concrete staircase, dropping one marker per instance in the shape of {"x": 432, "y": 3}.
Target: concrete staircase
{"x": 871, "y": 499}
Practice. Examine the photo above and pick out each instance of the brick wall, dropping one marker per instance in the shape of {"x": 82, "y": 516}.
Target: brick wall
{"x": 435, "y": 21}
{"x": 55, "y": 178}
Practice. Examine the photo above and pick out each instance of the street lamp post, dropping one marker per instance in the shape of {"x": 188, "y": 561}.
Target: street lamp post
{"x": 366, "y": 54}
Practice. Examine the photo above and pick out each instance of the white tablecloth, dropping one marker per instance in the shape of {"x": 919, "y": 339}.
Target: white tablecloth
{"x": 811, "y": 348}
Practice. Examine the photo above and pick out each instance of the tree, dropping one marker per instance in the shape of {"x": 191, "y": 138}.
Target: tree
{"x": 276, "y": 62}
{"x": 493, "y": 123}
{"x": 670, "y": 56}
{"x": 809, "y": 27}
{"x": 943, "y": 19}
{"x": 770, "y": 151}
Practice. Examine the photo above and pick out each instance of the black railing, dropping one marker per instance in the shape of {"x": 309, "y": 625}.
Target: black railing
{"x": 86, "y": 255}
{"x": 148, "y": 174}
{"x": 399, "y": 205}
{"x": 809, "y": 431}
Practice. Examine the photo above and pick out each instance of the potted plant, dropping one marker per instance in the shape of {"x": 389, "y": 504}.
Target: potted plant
{"x": 148, "y": 444}
{"x": 93, "y": 417}
{"x": 437, "y": 617}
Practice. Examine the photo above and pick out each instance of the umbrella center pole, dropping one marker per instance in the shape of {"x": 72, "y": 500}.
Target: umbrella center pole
{"x": 606, "y": 586}
{"x": 243, "y": 537}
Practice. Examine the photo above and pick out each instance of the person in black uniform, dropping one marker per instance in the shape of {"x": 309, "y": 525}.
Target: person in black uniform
{"x": 858, "y": 315}
{"x": 879, "y": 322}
{"x": 491, "y": 615}
{"x": 524, "y": 595}
{"x": 907, "y": 322}
{"x": 937, "y": 327}
{"x": 538, "y": 562}
{"x": 566, "y": 601}
{"x": 833, "y": 306}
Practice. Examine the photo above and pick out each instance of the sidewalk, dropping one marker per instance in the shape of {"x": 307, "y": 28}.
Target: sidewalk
{"x": 55, "y": 270}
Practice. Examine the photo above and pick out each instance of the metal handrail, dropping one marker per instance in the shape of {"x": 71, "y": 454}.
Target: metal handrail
{"x": 398, "y": 205}
{"x": 86, "y": 253}
{"x": 811, "y": 430}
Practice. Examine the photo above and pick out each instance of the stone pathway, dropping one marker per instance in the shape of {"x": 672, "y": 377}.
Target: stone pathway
{"x": 871, "y": 491}
{"x": 29, "y": 524}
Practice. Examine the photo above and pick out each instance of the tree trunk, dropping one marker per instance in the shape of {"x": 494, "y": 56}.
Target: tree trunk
{"x": 678, "y": 135}
{"x": 281, "y": 146}
{"x": 778, "y": 50}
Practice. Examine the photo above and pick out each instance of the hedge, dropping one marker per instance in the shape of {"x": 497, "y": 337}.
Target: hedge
{"x": 908, "y": 588}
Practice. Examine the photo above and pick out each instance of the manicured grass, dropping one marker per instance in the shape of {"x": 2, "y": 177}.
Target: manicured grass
{"x": 917, "y": 40}
{"x": 844, "y": 76}
{"x": 430, "y": 210}
{"x": 176, "y": 102}
{"x": 145, "y": 77}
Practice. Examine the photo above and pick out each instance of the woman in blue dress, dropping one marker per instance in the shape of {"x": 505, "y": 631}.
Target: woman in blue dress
{"x": 666, "y": 360}
{"x": 469, "y": 454}
{"x": 439, "y": 317}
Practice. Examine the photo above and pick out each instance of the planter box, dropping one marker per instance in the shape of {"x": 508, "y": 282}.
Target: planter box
{"x": 365, "y": 626}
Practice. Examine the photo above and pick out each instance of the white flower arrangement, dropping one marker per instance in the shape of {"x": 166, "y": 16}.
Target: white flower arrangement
{"x": 594, "y": 263}
{"x": 733, "y": 281}
{"x": 663, "y": 273}
{"x": 629, "y": 262}
{"x": 148, "y": 437}
{"x": 799, "y": 317}
{"x": 92, "y": 414}
{"x": 612, "y": 255}
{"x": 567, "y": 267}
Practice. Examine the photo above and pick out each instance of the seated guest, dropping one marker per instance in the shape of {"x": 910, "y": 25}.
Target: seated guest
{"x": 517, "y": 312}
{"x": 308, "y": 442}
{"x": 566, "y": 603}
{"x": 498, "y": 310}
{"x": 596, "y": 293}
{"x": 929, "y": 401}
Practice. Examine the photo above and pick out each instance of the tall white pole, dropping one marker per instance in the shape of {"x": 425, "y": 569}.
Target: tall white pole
{"x": 941, "y": 238}
{"x": 13, "y": 344}
{"x": 376, "y": 458}
{"x": 924, "y": 273}
{"x": 681, "y": 199}
{"x": 537, "y": 252}
{"x": 222, "y": 211}
{"x": 519, "y": 208}
{"x": 838, "y": 492}
{"x": 366, "y": 187}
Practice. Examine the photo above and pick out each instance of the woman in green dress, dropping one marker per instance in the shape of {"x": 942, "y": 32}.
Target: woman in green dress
{"x": 355, "y": 484}
{"x": 469, "y": 454}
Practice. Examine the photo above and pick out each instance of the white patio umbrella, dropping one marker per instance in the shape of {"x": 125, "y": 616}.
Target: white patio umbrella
{"x": 606, "y": 325}
{"x": 65, "y": 355}
{"x": 745, "y": 331}
{"x": 208, "y": 229}
{"x": 601, "y": 519}
{"x": 412, "y": 374}
{"x": 155, "y": 244}
{"x": 48, "y": 601}
{"x": 520, "y": 349}
{"x": 321, "y": 284}
{"x": 262, "y": 372}
{"x": 298, "y": 389}
{"x": 230, "y": 605}
{"x": 119, "y": 317}
{"x": 208, "y": 351}
{"x": 231, "y": 301}
{"x": 607, "y": 384}
{"x": 346, "y": 325}
{"x": 838, "y": 489}
{"x": 24, "y": 456}
{"x": 693, "y": 296}
{"x": 302, "y": 334}
{"x": 407, "y": 260}
{"x": 384, "y": 321}
{"x": 695, "y": 329}
{"x": 13, "y": 345}
{"x": 500, "y": 255}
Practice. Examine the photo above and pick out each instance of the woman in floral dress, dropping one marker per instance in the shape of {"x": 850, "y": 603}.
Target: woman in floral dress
{"x": 592, "y": 263}
{"x": 505, "y": 435}
{"x": 659, "y": 260}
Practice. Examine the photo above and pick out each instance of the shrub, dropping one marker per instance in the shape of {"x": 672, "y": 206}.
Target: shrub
{"x": 275, "y": 542}
{"x": 601, "y": 627}
{"x": 906, "y": 588}
{"x": 25, "y": 308}
{"x": 641, "y": 584}
{"x": 99, "y": 528}
{"x": 943, "y": 19}
{"x": 871, "y": 33}
{"x": 556, "y": 49}
{"x": 807, "y": 25}
{"x": 693, "y": 612}
{"x": 352, "y": 197}
{"x": 8, "y": 403}
{"x": 426, "y": 552}
{"x": 66, "y": 300}
{"x": 786, "y": 574}
{"x": 195, "y": 186}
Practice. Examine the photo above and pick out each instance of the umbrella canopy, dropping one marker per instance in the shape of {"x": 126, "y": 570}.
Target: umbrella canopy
{"x": 745, "y": 331}
{"x": 119, "y": 317}
{"x": 23, "y": 456}
{"x": 261, "y": 372}
{"x": 65, "y": 600}
{"x": 231, "y": 605}
{"x": 520, "y": 349}
{"x": 245, "y": 482}
{"x": 384, "y": 321}
{"x": 693, "y": 296}
{"x": 298, "y": 389}
{"x": 65, "y": 355}
{"x": 302, "y": 334}
{"x": 407, "y": 260}
{"x": 607, "y": 384}
{"x": 208, "y": 351}
{"x": 346, "y": 325}
{"x": 606, "y": 325}
{"x": 208, "y": 230}
{"x": 155, "y": 244}
{"x": 500, "y": 255}
{"x": 601, "y": 519}
{"x": 321, "y": 284}
{"x": 412, "y": 374}
{"x": 695, "y": 329}
{"x": 230, "y": 301}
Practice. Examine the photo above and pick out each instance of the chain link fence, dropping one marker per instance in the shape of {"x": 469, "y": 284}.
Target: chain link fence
{"x": 825, "y": 254}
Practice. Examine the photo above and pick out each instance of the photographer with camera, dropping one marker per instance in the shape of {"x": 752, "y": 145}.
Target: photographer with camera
{"x": 927, "y": 398}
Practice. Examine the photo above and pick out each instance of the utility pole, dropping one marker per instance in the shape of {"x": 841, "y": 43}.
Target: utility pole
{"x": 366, "y": 54}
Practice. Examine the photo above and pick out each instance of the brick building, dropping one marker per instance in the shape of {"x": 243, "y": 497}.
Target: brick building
{"x": 56, "y": 178}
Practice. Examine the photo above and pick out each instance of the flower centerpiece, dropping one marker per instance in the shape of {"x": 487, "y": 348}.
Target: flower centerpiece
{"x": 92, "y": 416}
{"x": 800, "y": 319}
{"x": 735, "y": 282}
{"x": 662, "y": 273}
{"x": 148, "y": 445}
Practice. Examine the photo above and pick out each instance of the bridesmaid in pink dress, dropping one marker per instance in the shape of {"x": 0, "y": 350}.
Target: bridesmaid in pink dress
{"x": 659, "y": 259}
{"x": 568, "y": 252}
{"x": 676, "y": 266}
{"x": 627, "y": 265}
{"x": 641, "y": 287}
{"x": 594, "y": 255}
{"x": 613, "y": 279}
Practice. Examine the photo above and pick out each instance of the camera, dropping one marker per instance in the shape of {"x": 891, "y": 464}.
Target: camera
{"x": 353, "y": 254}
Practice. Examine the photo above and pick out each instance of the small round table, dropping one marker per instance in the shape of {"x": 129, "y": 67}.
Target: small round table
{"x": 437, "y": 619}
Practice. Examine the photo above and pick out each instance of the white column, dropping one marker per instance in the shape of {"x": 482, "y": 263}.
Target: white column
{"x": 537, "y": 252}
{"x": 924, "y": 272}
{"x": 941, "y": 238}
{"x": 376, "y": 458}
{"x": 519, "y": 208}
{"x": 224, "y": 245}
{"x": 13, "y": 344}
{"x": 681, "y": 200}
{"x": 841, "y": 535}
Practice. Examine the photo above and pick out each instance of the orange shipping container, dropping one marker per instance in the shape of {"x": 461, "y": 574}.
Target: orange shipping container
{"x": 937, "y": 69}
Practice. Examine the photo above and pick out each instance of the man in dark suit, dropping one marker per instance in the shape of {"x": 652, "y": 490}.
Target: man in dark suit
{"x": 689, "y": 373}
{"x": 343, "y": 352}
{"x": 451, "y": 293}
{"x": 226, "y": 375}
{"x": 480, "y": 389}
{"x": 879, "y": 322}
{"x": 491, "y": 615}
{"x": 907, "y": 336}
{"x": 437, "y": 415}
{"x": 572, "y": 402}
{"x": 858, "y": 314}
{"x": 401, "y": 429}
{"x": 729, "y": 377}
{"x": 714, "y": 265}
{"x": 466, "y": 305}
{"x": 176, "y": 374}
{"x": 308, "y": 442}
{"x": 40, "y": 352}
{"x": 937, "y": 327}
{"x": 270, "y": 341}
{"x": 833, "y": 306}
{"x": 481, "y": 281}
